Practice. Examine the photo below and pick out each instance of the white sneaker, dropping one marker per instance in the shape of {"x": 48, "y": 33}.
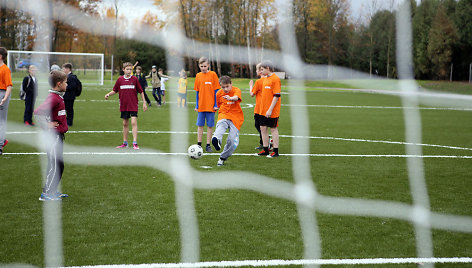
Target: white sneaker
{"x": 221, "y": 162}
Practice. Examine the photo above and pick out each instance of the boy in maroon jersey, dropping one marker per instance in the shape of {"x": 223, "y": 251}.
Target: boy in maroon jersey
{"x": 51, "y": 115}
{"x": 128, "y": 87}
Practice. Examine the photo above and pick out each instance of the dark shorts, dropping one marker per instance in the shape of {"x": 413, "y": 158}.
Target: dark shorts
{"x": 182, "y": 95}
{"x": 128, "y": 114}
{"x": 258, "y": 119}
{"x": 269, "y": 122}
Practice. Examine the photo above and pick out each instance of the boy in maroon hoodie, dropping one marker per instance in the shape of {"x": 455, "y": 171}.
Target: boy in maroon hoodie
{"x": 51, "y": 115}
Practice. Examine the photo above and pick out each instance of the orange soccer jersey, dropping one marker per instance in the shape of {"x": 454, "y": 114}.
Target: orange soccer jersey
{"x": 257, "y": 91}
{"x": 5, "y": 77}
{"x": 206, "y": 84}
{"x": 270, "y": 87}
{"x": 230, "y": 110}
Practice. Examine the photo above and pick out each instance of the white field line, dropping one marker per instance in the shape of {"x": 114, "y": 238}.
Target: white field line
{"x": 257, "y": 263}
{"x": 252, "y": 134}
{"x": 251, "y": 105}
{"x": 255, "y": 154}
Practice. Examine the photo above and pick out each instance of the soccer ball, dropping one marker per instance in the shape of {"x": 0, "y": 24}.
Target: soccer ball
{"x": 195, "y": 151}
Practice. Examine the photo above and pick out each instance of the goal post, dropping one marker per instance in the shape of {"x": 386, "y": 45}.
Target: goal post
{"x": 89, "y": 67}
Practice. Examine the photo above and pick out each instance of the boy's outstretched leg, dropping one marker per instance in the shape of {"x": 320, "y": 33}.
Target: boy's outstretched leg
{"x": 134, "y": 127}
{"x": 232, "y": 141}
{"x": 125, "y": 133}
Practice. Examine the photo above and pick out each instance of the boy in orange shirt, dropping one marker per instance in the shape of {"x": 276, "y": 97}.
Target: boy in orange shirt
{"x": 256, "y": 90}
{"x": 5, "y": 92}
{"x": 206, "y": 85}
{"x": 270, "y": 107}
{"x": 230, "y": 116}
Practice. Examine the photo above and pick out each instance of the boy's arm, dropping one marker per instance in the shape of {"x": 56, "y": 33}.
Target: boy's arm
{"x": 7, "y": 94}
{"x": 215, "y": 108}
{"x": 144, "y": 102}
{"x": 272, "y": 105}
{"x": 197, "y": 98}
{"x": 251, "y": 85}
{"x": 111, "y": 93}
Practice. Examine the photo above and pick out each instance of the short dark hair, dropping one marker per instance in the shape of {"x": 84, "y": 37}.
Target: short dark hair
{"x": 225, "y": 80}
{"x": 56, "y": 77}
{"x": 67, "y": 65}
{"x": 139, "y": 68}
{"x": 267, "y": 64}
{"x": 3, "y": 53}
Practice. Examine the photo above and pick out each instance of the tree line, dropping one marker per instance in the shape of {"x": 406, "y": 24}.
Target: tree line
{"x": 325, "y": 32}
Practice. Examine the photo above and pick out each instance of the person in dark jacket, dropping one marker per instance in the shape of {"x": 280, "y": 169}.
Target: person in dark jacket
{"x": 74, "y": 89}
{"x": 143, "y": 82}
{"x": 30, "y": 87}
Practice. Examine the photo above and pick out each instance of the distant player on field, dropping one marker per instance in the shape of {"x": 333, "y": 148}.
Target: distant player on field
{"x": 206, "y": 85}
{"x": 128, "y": 87}
{"x": 143, "y": 82}
{"x": 230, "y": 116}
{"x": 270, "y": 108}
{"x": 51, "y": 115}
{"x": 256, "y": 90}
{"x": 5, "y": 92}
{"x": 182, "y": 89}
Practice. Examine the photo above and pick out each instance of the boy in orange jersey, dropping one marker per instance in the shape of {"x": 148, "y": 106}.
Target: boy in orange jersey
{"x": 256, "y": 90}
{"x": 230, "y": 116}
{"x": 270, "y": 107}
{"x": 5, "y": 92}
{"x": 206, "y": 85}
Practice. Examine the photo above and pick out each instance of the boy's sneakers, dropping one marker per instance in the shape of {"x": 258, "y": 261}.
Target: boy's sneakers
{"x": 208, "y": 148}
{"x": 3, "y": 146}
{"x": 260, "y": 147}
{"x": 272, "y": 155}
{"x": 135, "y": 146}
{"x": 216, "y": 143}
{"x": 124, "y": 145}
{"x": 221, "y": 162}
{"x": 263, "y": 152}
{"x": 46, "y": 197}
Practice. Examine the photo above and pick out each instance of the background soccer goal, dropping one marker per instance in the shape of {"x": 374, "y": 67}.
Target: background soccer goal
{"x": 89, "y": 67}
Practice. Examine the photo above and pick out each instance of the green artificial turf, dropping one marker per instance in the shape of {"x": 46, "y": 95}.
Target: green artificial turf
{"x": 127, "y": 214}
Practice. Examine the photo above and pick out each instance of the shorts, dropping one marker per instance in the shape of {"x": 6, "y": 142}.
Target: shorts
{"x": 209, "y": 117}
{"x": 269, "y": 122}
{"x": 128, "y": 114}
{"x": 182, "y": 95}
{"x": 163, "y": 92}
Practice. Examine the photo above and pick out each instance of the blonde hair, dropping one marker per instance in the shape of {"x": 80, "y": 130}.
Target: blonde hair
{"x": 202, "y": 60}
{"x": 126, "y": 64}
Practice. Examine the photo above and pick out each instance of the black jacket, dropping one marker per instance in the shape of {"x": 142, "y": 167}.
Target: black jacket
{"x": 73, "y": 87}
{"x": 30, "y": 86}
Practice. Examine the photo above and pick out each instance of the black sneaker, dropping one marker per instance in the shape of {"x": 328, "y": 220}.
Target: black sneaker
{"x": 216, "y": 143}
{"x": 208, "y": 149}
{"x": 272, "y": 155}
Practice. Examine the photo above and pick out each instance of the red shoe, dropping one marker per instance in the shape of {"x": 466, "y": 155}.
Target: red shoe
{"x": 5, "y": 143}
{"x": 263, "y": 153}
{"x": 272, "y": 155}
{"x": 27, "y": 123}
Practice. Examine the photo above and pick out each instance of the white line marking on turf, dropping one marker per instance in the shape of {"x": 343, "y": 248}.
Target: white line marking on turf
{"x": 252, "y": 134}
{"x": 255, "y": 154}
{"x": 256, "y": 263}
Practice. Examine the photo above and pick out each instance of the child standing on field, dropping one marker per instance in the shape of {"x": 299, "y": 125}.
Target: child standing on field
{"x": 143, "y": 82}
{"x": 156, "y": 84}
{"x": 206, "y": 85}
{"x": 270, "y": 107}
{"x": 5, "y": 92}
{"x": 51, "y": 115}
{"x": 256, "y": 90}
{"x": 182, "y": 89}
{"x": 230, "y": 116}
{"x": 164, "y": 78}
{"x": 30, "y": 87}
{"x": 128, "y": 87}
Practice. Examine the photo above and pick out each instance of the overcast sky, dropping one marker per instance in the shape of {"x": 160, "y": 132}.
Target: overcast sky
{"x": 138, "y": 8}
